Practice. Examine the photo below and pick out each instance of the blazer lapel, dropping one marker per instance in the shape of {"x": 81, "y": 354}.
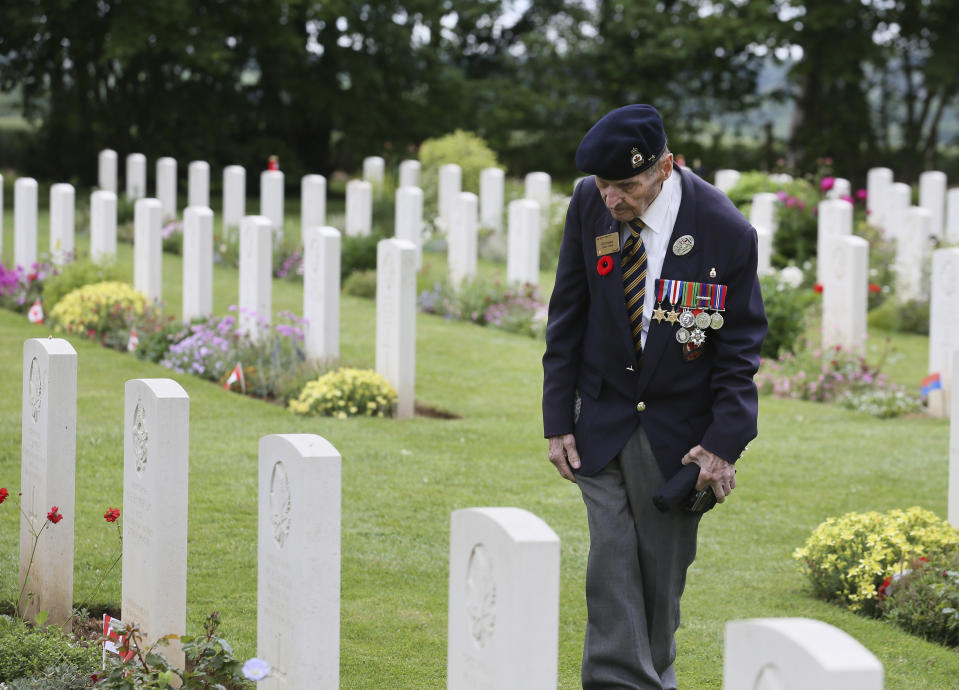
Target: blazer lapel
{"x": 676, "y": 267}
{"x": 611, "y": 289}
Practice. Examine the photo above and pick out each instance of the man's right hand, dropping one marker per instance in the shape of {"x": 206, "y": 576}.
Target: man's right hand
{"x": 563, "y": 454}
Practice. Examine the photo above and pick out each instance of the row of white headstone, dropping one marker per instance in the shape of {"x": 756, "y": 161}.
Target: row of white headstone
{"x": 843, "y": 261}
{"x": 504, "y": 562}
{"x": 503, "y": 624}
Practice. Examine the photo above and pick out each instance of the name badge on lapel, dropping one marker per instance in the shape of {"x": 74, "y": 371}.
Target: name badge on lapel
{"x": 607, "y": 244}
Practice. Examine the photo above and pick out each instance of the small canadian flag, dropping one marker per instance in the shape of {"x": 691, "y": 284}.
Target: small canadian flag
{"x": 133, "y": 341}
{"x": 36, "y": 313}
{"x": 235, "y": 375}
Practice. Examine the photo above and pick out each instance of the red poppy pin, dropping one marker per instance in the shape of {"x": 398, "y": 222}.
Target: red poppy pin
{"x": 604, "y": 265}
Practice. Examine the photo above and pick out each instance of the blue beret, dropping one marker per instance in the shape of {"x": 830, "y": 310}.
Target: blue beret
{"x": 624, "y": 142}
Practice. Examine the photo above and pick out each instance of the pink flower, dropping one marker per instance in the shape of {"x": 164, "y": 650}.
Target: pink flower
{"x": 861, "y": 194}
{"x": 827, "y": 183}
{"x": 781, "y": 195}
{"x": 846, "y": 197}
{"x": 790, "y": 202}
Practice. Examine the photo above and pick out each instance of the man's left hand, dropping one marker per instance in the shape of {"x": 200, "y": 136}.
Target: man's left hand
{"x": 713, "y": 470}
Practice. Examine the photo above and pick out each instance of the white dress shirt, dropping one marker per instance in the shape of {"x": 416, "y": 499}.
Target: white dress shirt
{"x": 659, "y": 219}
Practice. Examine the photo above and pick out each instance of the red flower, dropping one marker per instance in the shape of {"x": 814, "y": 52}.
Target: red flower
{"x": 604, "y": 265}
{"x": 3, "y": 495}
{"x": 111, "y": 515}
{"x": 883, "y": 590}
{"x": 874, "y": 288}
{"x": 817, "y": 288}
{"x": 54, "y": 516}
{"x": 861, "y": 194}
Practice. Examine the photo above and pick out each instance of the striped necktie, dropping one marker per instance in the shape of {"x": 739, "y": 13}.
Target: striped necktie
{"x": 634, "y": 281}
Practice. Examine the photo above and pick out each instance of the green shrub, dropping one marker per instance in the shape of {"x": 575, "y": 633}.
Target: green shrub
{"x": 346, "y": 393}
{"x": 361, "y": 284}
{"x": 785, "y": 311}
{"x": 466, "y": 150}
{"x": 796, "y": 234}
{"x": 73, "y": 276}
{"x": 903, "y": 317}
{"x": 58, "y": 677}
{"x": 357, "y": 254}
{"x": 154, "y": 343}
{"x": 881, "y": 402}
{"x": 925, "y": 600}
{"x": 27, "y": 651}
{"x": 98, "y": 308}
{"x": 848, "y": 558}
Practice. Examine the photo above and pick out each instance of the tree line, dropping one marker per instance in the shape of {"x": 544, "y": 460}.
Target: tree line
{"x": 322, "y": 84}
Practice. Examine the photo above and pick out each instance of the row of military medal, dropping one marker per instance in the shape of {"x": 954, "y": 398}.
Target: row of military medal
{"x": 694, "y": 301}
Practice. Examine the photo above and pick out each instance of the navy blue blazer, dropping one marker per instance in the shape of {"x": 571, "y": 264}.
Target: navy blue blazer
{"x": 709, "y": 400}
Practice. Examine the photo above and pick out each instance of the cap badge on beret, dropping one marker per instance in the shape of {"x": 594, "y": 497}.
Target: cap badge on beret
{"x": 637, "y": 157}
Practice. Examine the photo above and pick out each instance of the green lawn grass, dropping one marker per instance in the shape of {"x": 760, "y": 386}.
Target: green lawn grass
{"x": 401, "y": 480}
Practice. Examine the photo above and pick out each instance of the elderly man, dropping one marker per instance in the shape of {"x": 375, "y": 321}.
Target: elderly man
{"x": 655, "y": 326}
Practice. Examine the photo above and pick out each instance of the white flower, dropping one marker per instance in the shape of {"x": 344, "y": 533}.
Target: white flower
{"x": 255, "y": 669}
{"x": 791, "y": 276}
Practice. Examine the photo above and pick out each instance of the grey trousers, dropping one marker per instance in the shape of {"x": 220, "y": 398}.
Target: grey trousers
{"x": 635, "y": 575}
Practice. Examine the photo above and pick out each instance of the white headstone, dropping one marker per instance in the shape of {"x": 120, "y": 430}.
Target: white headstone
{"x": 107, "y": 170}
{"x": 538, "y": 187}
{"x": 952, "y": 215}
{"x": 256, "y": 275}
{"x": 764, "y": 237}
{"x": 912, "y": 254}
{"x": 410, "y": 173}
{"x": 462, "y": 238}
{"x": 450, "y": 185}
{"x": 796, "y": 654}
{"x": 841, "y": 187}
{"x": 359, "y": 208}
{"x": 503, "y": 601}
{"x": 491, "y": 194}
{"x": 834, "y": 220}
{"x": 522, "y": 245}
{"x": 103, "y": 226}
{"x": 197, "y": 262}
{"x": 198, "y": 184}
{"x": 47, "y": 476}
{"x": 156, "y": 460}
{"x": 312, "y": 202}
{"x": 845, "y": 292}
{"x": 25, "y": 222}
{"x": 764, "y": 211}
{"x": 136, "y": 176}
{"x": 321, "y": 292}
{"x": 62, "y": 205}
{"x": 726, "y": 179}
{"x": 396, "y": 320}
{"x": 298, "y": 562}
{"x": 234, "y": 196}
{"x": 895, "y": 208}
{"x": 932, "y": 196}
{"x": 148, "y": 248}
{"x": 878, "y": 184}
{"x": 374, "y": 170}
{"x": 409, "y": 219}
{"x": 943, "y": 327}
{"x": 166, "y": 187}
{"x": 953, "y": 515}
{"x": 271, "y": 199}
